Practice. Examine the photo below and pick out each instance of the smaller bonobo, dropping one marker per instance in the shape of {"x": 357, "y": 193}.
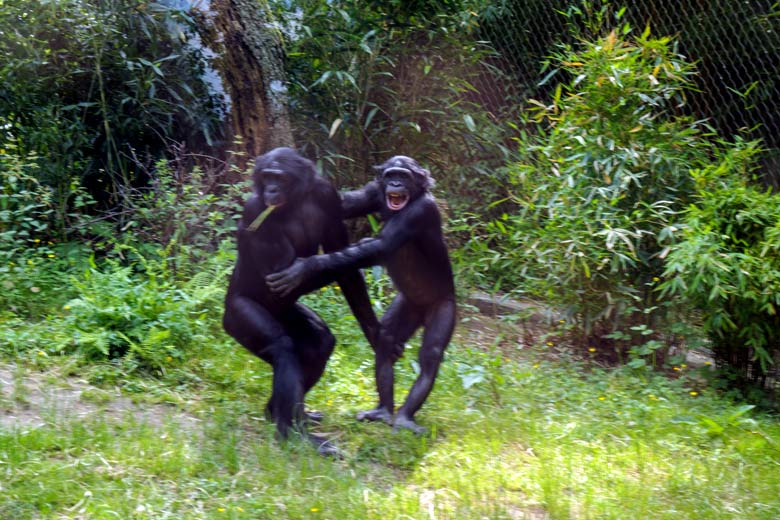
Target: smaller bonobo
{"x": 412, "y": 248}
{"x": 291, "y": 213}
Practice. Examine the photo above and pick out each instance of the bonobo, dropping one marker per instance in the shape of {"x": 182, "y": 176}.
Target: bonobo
{"x": 291, "y": 213}
{"x": 412, "y": 248}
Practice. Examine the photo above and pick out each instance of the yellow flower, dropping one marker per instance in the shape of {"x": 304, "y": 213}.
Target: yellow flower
{"x": 561, "y": 321}
{"x": 693, "y": 393}
{"x": 314, "y": 509}
{"x": 41, "y": 353}
{"x": 221, "y": 509}
{"x": 168, "y": 359}
{"x": 51, "y": 255}
{"x": 676, "y": 369}
{"x": 239, "y": 509}
{"x": 67, "y": 307}
{"x": 591, "y": 349}
{"x": 602, "y": 398}
{"x": 536, "y": 365}
{"x": 656, "y": 279}
{"x": 549, "y": 343}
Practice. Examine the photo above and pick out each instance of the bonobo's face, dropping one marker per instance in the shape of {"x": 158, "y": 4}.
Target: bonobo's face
{"x": 397, "y": 183}
{"x": 282, "y": 177}
{"x": 276, "y": 186}
{"x": 402, "y": 180}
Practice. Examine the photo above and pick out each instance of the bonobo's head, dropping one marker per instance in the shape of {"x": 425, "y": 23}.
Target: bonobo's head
{"x": 402, "y": 180}
{"x": 282, "y": 177}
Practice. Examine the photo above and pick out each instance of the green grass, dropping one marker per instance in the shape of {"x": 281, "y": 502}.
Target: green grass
{"x": 531, "y": 437}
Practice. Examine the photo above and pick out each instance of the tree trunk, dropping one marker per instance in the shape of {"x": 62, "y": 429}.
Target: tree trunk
{"x": 250, "y": 60}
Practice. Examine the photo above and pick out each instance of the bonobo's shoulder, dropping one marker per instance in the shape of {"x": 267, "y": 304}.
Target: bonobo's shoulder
{"x": 324, "y": 194}
{"x": 426, "y": 204}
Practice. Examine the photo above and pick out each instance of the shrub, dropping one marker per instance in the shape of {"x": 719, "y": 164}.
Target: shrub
{"x": 93, "y": 87}
{"x": 25, "y": 204}
{"x": 32, "y": 266}
{"x": 600, "y": 186}
{"x": 184, "y": 209}
{"x": 139, "y": 313}
{"x": 728, "y": 264}
{"x": 359, "y": 95}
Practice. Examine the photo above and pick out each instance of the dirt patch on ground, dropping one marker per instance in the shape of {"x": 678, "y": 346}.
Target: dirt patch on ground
{"x": 32, "y": 399}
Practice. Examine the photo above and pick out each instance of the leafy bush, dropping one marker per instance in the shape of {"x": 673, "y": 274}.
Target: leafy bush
{"x": 728, "y": 264}
{"x": 359, "y": 95}
{"x": 599, "y": 187}
{"x": 139, "y": 313}
{"x": 95, "y": 87}
{"x": 187, "y": 210}
{"x": 32, "y": 266}
{"x": 25, "y": 205}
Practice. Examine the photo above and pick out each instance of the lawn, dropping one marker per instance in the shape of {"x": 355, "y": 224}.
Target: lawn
{"x": 518, "y": 428}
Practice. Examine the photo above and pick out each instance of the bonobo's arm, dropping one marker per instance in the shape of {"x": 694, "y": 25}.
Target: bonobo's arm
{"x": 401, "y": 227}
{"x": 351, "y": 281}
{"x": 359, "y": 203}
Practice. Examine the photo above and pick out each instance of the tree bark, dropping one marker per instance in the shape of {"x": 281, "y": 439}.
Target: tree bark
{"x": 250, "y": 60}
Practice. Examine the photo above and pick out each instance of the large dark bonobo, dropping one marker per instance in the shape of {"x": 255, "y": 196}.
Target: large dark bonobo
{"x": 412, "y": 248}
{"x": 291, "y": 213}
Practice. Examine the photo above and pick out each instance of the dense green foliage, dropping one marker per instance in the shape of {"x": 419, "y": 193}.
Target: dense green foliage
{"x": 599, "y": 187}
{"x": 143, "y": 317}
{"x": 734, "y": 45}
{"x": 95, "y": 90}
{"x": 359, "y": 95}
{"x": 727, "y": 264}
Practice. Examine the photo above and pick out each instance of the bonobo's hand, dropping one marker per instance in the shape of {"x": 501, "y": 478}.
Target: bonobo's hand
{"x": 286, "y": 281}
{"x": 386, "y": 341}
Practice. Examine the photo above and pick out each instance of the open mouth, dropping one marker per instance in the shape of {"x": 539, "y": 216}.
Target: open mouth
{"x": 396, "y": 201}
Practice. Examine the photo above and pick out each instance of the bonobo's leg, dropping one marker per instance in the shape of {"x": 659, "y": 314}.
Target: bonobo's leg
{"x": 262, "y": 334}
{"x": 315, "y": 343}
{"x": 398, "y": 325}
{"x": 313, "y": 346}
{"x": 439, "y": 324}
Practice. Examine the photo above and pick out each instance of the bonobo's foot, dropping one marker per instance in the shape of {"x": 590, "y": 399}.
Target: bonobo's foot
{"x": 377, "y": 414}
{"x": 408, "y": 423}
{"x": 324, "y": 446}
{"x": 310, "y": 417}
{"x": 314, "y": 417}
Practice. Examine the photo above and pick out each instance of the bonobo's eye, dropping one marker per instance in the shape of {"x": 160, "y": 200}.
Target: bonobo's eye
{"x": 398, "y": 171}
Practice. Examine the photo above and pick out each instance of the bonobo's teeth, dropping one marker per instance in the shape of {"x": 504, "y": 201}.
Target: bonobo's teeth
{"x": 396, "y": 202}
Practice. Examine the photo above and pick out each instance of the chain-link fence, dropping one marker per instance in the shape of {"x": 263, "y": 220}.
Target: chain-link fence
{"x": 735, "y": 44}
